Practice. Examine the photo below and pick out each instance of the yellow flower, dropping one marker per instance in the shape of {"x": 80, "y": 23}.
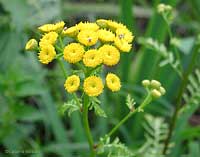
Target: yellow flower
{"x": 47, "y": 53}
{"x": 124, "y": 34}
{"x": 59, "y": 26}
{"x": 113, "y": 25}
{"x": 92, "y": 58}
{"x": 73, "y": 52}
{"x": 93, "y": 86}
{"x": 113, "y": 82}
{"x": 71, "y": 31}
{"x": 105, "y": 35}
{"x": 110, "y": 55}
{"x": 72, "y": 83}
{"x": 46, "y": 28}
{"x": 88, "y": 37}
{"x": 122, "y": 44}
{"x": 32, "y": 44}
{"x": 88, "y": 26}
{"x": 102, "y": 23}
{"x": 52, "y": 27}
{"x": 49, "y": 38}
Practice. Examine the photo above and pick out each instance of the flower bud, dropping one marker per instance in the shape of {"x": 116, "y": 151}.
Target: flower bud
{"x": 102, "y": 23}
{"x": 145, "y": 83}
{"x": 162, "y": 90}
{"x": 155, "y": 84}
{"x": 32, "y": 44}
{"x": 155, "y": 93}
{"x": 168, "y": 8}
{"x": 175, "y": 42}
{"x": 163, "y": 8}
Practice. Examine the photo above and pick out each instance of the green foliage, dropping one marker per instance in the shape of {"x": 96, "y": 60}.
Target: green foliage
{"x": 130, "y": 102}
{"x": 156, "y": 131}
{"x": 70, "y": 107}
{"x": 191, "y": 100}
{"x": 113, "y": 149}
{"x": 30, "y": 93}
{"x": 38, "y": 11}
{"x": 192, "y": 95}
{"x": 168, "y": 56}
{"x": 95, "y": 104}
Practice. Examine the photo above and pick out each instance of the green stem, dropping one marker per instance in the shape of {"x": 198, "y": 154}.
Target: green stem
{"x": 86, "y": 125}
{"x": 62, "y": 67}
{"x": 171, "y": 37}
{"x": 179, "y": 97}
{"x": 59, "y": 49}
{"x": 59, "y": 55}
{"x": 61, "y": 42}
{"x": 146, "y": 101}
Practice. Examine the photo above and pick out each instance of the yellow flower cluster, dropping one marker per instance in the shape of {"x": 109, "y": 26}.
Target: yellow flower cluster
{"x": 47, "y": 51}
{"x": 93, "y": 85}
{"x": 52, "y": 27}
{"x": 98, "y": 43}
{"x": 93, "y": 44}
{"x": 46, "y": 45}
{"x": 103, "y": 41}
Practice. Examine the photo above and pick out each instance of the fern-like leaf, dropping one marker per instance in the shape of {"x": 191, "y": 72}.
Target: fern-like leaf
{"x": 130, "y": 102}
{"x": 168, "y": 56}
{"x": 95, "y": 104}
{"x": 70, "y": 106}
{"x": 113, "y": 149}
{"x": 156, "y": 132}
{"x": 192, "y": 95}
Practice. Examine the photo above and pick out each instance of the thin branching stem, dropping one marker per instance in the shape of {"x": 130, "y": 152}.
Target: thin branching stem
{"x": 62, "y": 67}
{"x": 174, "y": 47}
{"x": 146, "y": 101}
{"x": 85, "y": 114}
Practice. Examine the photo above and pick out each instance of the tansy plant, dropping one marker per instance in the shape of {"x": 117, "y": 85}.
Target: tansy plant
{"x": 90, "y": 47}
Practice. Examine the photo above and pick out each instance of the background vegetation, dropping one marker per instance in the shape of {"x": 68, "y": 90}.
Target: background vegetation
{"x": 31, "y": 94}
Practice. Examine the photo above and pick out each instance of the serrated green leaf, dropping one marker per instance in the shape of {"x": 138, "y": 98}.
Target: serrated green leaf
{"x": 168, "y": 57}
{"x": 113, "y": 149}
{"x": 95, "y": 104}
{"x": 70, "y": 106}
{"x": 130, "y": 102}
{"x": 99, "y": 111}
{"x": 156, "y": 132}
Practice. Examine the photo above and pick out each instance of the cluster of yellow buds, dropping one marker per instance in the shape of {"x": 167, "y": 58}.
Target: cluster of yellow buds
{"x": 91, "y": 45}
{"x": 154, "y": 87}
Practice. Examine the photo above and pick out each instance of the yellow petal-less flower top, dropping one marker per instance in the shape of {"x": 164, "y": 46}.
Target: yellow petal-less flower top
{"x": 93, "y": 86}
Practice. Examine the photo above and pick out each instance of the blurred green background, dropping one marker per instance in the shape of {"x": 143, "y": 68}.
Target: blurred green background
{"x": 31, "y": 93}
